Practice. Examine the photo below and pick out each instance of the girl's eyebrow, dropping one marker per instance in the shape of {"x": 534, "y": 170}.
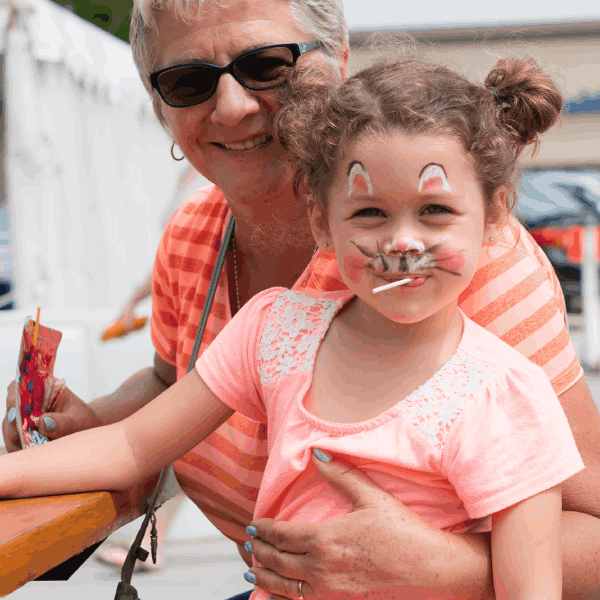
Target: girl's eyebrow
{"x": 431, "y": 165}
{"x": 433, "y": 179}
{"x": 358, "y": 180}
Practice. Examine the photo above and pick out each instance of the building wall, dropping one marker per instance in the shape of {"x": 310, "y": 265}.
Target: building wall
{"x": 569, "y": 52}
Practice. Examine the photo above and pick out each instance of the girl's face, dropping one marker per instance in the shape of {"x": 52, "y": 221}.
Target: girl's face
{"x": 405, "y": 207}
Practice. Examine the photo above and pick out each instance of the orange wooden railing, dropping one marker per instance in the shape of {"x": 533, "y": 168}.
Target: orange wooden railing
{"x": 37, "y": 534}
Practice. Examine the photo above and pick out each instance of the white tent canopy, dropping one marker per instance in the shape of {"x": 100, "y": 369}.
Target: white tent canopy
{"x": 89, "y": 172}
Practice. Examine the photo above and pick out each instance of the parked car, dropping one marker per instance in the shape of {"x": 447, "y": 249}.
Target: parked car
{"x": 554, "y": 214}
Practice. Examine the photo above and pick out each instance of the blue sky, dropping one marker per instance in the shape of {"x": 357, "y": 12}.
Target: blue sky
{"x": 369, "y": 13}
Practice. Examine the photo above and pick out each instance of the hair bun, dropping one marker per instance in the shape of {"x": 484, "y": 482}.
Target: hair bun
{"x": 528, "y": 101}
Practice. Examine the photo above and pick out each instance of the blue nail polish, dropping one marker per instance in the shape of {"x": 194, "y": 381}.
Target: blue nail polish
{"x": 321, "y": 456}
{"x": 251, "y": 530}
{"x": 50, "y": 423}
{"x": 250, "y": 577}
{"x": 248, "y": 547}
{"x": 12, "y": 415}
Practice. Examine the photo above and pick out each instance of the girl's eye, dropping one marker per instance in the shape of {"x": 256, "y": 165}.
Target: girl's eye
{"x": 368, "y": 212}
{"x": 436, "y": 209}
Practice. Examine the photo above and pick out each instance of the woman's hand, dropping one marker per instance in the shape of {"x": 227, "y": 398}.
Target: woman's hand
{"x": 69, "y": 415}
{"x": 380, "y": 544}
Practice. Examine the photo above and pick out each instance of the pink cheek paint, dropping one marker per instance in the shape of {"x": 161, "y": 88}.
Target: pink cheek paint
{"x": 451, "y": 260}
{"x": 353, "y": 267}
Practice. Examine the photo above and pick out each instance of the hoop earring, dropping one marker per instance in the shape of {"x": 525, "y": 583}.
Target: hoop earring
{"x": 173, "y": 155}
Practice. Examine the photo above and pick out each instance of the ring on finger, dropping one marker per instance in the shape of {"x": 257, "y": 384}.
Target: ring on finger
{"x": 300, "y": 596}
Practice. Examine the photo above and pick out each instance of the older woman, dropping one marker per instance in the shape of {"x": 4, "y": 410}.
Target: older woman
{"x": 221, "y": 119}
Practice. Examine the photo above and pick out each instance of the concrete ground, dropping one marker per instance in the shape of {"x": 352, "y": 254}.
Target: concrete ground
{"x": 199, "y": 562}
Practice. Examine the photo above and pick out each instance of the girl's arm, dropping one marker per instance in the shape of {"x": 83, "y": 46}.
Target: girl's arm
{"x": 526, "y": 550}
{"x": 118, "y": 456}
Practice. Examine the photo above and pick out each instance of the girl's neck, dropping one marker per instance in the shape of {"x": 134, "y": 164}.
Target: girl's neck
{"x": 369, "y": 331}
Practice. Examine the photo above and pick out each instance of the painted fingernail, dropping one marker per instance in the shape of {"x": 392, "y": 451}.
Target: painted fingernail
{"x": 251, "y": 530}
{"x": 12, "y": 415}
{"x": 50, "y": 423}
{"x": 321, "y": 456}
{"x": 248, "y": 547}
{"x": 250, "y": 577}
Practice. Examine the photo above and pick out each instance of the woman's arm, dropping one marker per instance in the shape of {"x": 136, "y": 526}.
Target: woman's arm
{"x": 118, "y": 456}
{"x": 526, "y": 550}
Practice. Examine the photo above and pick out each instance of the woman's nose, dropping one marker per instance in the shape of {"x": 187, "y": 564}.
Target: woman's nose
{"x": 233, "y": 102}
{"x": 406, "y": 245}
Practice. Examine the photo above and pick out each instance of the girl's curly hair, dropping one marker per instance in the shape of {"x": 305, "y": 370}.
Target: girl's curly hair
{"x": 496, "y": 121}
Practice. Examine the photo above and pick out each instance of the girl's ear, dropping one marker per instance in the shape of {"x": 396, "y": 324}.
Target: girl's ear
{"x": 319, "y": 225}
{"x": 497, "y": 215}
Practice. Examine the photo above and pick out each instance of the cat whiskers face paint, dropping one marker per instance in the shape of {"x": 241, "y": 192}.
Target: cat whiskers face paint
{"x": 404, "y": 263}
{"x": 433, "y": 179}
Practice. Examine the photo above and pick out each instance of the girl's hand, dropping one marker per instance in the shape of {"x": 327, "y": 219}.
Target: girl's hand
{"x": 380, "y": 544}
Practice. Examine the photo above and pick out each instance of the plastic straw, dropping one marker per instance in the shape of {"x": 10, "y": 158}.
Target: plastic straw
{"x": 36, "y": 328}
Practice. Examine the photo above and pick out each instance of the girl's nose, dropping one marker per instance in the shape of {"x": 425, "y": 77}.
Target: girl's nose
{"x": 406, "y": 245}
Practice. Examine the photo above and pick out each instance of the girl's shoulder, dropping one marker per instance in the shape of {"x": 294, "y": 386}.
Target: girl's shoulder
{"x": 493, "y": 355}
{"x": 299, "y": 306}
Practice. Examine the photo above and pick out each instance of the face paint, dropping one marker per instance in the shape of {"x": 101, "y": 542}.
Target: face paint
{"x": 452, "y": 260}
{"x": 433, "y": 179}
{"x": 402, "y": 264}
{"x": 352, "y": 267}
{"x": 405, "y": 245}
{"x": 359, "y": 181}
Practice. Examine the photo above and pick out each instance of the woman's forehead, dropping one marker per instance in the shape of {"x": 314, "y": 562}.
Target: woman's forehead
{"x": 220, "y": 33}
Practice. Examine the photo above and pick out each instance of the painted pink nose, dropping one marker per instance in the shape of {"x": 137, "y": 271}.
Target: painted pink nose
{"x": 408, "y": 245}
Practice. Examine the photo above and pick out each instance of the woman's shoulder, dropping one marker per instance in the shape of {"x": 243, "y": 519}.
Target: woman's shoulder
{"x": 199, "y": 216}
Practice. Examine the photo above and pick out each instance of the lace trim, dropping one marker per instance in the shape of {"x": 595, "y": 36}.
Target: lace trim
{"x": 434, "y": 407}
{"x": 293, "y": 332}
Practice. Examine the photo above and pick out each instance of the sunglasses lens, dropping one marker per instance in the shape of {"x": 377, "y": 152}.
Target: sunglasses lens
{"x": 187, "y": 86}
{"x": 265, "y": 68}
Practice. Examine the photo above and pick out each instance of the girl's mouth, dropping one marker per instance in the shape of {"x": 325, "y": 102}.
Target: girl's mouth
{"x": 413, "y": 280}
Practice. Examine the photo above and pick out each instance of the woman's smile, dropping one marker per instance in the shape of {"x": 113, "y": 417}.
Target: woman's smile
{"x": 247, "y": 144}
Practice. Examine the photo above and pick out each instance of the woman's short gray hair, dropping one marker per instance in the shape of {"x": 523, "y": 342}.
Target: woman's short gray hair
{"x": 323, "y": 19}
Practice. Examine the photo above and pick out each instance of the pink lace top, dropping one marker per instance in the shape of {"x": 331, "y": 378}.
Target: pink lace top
{"x": 485, "y": 432}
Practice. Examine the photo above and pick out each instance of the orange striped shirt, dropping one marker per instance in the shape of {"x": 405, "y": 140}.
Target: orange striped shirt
{"x": 514, "y": 294}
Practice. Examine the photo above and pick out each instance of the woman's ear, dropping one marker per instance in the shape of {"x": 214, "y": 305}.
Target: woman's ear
{"x": 317, "y": 215}
{"x": 343, "y": 60}
{"x": 497, "y": 215}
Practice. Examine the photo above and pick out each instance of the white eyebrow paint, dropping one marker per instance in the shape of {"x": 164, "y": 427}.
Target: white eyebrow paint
{"x": 391, "y": 285}
{"x": 433, "y": 179}
{"x": 359, "y": 180}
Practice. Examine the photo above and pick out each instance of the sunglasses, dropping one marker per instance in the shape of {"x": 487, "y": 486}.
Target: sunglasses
{"x": 265, "y": 68}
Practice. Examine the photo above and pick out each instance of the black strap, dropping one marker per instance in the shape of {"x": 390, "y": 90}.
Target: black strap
{"x": 125, "y": 591}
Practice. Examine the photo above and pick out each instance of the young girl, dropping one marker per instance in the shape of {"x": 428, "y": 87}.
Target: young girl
{"x": 409, "y": 172}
